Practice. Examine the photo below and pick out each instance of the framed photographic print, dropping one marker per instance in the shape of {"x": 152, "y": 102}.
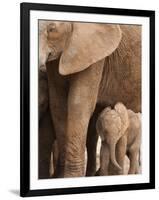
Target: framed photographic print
{"x": 87, "y": 99}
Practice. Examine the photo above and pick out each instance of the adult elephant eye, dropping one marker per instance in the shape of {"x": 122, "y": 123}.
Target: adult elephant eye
{"x": 51, "y": 28}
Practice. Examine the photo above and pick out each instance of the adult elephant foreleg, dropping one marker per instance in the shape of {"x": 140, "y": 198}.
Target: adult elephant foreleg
{"x": 92, "y": 138}
{"x": 82, "y": 99}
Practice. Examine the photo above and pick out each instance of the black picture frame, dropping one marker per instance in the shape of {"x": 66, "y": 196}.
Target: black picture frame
{"x": 25, "y": 9}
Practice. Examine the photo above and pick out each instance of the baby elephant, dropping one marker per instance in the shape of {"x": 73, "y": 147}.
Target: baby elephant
{"x": 120, "y": 132}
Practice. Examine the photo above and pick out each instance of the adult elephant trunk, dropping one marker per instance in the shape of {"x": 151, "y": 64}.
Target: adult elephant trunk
{"x": 112, "y": 147}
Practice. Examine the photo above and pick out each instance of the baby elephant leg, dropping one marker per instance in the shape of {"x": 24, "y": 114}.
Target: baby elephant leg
{"x": 121, "y": 152}
{"x": 104, "y": 160}
{"x": 134, "y": 162}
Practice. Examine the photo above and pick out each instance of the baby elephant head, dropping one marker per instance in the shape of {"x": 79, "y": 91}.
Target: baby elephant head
{"x": 111, "y": 126}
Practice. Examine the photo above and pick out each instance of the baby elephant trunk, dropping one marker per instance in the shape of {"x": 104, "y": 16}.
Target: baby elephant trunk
{"x": 113, "y": 156}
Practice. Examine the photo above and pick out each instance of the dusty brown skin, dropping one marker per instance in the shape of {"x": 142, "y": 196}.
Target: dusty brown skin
{"x": 95, "y": 65}
{"x": 114, "y": 126}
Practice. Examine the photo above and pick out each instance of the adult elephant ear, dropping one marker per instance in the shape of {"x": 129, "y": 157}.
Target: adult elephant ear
{"x": 88, "y": 43}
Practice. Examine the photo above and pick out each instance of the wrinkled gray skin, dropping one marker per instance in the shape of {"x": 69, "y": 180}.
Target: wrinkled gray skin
{"x": 89, "y": 66}
{"x": 112, "y": 126}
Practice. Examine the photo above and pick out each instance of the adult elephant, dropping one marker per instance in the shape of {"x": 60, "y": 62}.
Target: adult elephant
{"x": 89, "y": 66}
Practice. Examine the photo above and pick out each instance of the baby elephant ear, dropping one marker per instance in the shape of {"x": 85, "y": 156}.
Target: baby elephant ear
{"x": 123, "y": 113}
{"x": 88, "y": 43}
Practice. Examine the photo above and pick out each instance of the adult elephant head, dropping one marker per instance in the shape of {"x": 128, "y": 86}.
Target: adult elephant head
{"x": 79, "y": 44}
{"x": 74, "y": 55}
